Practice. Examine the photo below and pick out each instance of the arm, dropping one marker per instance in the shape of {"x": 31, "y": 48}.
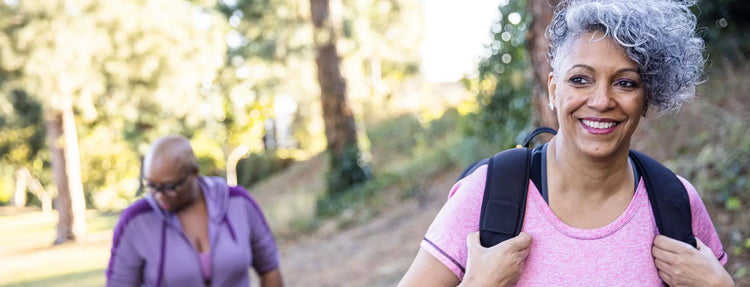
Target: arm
{"x": 499, "y": 265}
{"x": 426, "y": 270}
{"x": 263, "y": 247}
{"x": 271, "y": 279}
{"x": 125, "y": 266}
{"x": 680, "y": 264}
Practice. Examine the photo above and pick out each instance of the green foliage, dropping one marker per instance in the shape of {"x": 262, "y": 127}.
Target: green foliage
{"x": 347, "y": 171}
{"x": 725, "y": 25}
{"x": 132, "y": 71}
{"x": 6, "y": 186}
{"x": 259, "y": 166}
{"x": 407, "y": 153}
{"x": 502, "y": 88}
{"x": 722, "y": 166}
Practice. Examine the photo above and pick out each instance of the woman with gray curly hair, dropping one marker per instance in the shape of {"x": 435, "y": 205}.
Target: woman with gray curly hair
{"x": 589, "y": 222}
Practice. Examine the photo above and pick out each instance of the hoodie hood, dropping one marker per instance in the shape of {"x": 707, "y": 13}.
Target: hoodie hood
{"x": 215, "y": 192}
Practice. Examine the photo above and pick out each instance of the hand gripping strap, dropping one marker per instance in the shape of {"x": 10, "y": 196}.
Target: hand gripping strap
{"x": 668, "y": 197}
{"x": 504, "y": 201}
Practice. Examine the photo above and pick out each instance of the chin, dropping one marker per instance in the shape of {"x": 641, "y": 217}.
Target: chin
{"x": 600, "y": 151}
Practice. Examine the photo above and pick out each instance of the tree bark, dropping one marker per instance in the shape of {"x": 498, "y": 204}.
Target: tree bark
{"x": 345, "y": 169}
{"x": 542, "y": 12}
{"x": 66, "y": 169}
{"x": 340, "y": 127}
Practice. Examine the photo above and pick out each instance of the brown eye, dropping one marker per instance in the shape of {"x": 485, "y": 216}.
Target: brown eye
{"x": 627, "y": 84}
{"x": 578, "y": 80}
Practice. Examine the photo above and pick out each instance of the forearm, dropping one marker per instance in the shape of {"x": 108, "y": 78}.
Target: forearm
{"x": 271, "y": 279}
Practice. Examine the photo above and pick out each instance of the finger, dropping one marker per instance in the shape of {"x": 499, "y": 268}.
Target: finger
{"x": 661, "y": 254}
{"x": 703, "y": 249}
{"x": 671, "y": 245}
{"x": 665, "y": 277}
{"x": 522, "y": 241}
{"x": 661, "y": 264}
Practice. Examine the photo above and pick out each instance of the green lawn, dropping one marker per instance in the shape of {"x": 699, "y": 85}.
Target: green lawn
{"x": 29, "y": 259}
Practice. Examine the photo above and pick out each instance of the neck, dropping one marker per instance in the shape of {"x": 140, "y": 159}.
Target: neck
{"x": 197, "y": 202}
{"x": 579, "y": 176}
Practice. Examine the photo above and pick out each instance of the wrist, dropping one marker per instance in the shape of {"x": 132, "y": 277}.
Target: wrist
{"x": 469, "y": 281}
{"x": 724, "y": 280}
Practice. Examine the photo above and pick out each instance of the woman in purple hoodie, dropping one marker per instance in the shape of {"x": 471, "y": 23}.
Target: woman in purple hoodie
{"x": 190, "y": 230}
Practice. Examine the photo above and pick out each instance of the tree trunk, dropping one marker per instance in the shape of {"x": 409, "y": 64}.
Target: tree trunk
{"x": 66, "y": 169}
{"x": 22, "y": 181}
{"x": 340, "y": 128}
{"x": 542, "y": 11}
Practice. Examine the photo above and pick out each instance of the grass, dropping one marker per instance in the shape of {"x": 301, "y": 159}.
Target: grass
{"x": 30, "y": 259}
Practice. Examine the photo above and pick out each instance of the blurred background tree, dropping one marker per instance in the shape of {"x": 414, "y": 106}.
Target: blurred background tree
{"x": 233, "y": 77}
{"x": 102, "y": 75}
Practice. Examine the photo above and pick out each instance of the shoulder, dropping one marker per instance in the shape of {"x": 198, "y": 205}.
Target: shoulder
{"x": 242, "y": 195}
{"x": 130, "y": 214}
{"x": 139, "y": 207}
{"x": 693, "y": 195}
{"x": 239, "y": 193}
{"x": 473, "y": 182}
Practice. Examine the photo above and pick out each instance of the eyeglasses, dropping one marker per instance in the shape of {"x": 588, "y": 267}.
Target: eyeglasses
{"x": 169, "y": 186}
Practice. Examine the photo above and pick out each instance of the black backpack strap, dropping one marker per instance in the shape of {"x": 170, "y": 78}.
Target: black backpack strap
{"x": 669, "y": 199}
{"x": 504, "y": 201}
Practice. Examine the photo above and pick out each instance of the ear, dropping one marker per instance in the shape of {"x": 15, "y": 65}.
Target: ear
{"x": 551, "y": 87}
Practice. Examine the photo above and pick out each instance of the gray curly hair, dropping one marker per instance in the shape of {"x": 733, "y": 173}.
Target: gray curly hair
{"x": 659, "y": 35}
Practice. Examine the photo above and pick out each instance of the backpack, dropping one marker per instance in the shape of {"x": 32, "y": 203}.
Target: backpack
{"x": 508, "y": 174}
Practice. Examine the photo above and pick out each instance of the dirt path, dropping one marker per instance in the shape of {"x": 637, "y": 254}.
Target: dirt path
{"x": 376, "y": 253}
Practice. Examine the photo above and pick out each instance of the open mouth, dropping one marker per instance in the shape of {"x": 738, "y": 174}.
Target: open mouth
{"x": 599, "y": 125}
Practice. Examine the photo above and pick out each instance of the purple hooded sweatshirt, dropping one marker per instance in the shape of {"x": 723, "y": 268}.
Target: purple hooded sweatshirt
{"x": 149, "y": 247}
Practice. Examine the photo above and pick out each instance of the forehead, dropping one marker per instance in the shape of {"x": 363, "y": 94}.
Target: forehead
{"x": 593, "y": 50}
{"x": 163, "y": 169}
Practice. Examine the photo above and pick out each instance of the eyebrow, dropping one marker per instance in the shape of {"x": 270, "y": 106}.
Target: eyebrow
{"x": 587, "y": 67}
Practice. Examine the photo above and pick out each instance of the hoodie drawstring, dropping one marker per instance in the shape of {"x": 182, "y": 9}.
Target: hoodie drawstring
{"x": 231, "y": 229}
{"x": 163, "y": 249}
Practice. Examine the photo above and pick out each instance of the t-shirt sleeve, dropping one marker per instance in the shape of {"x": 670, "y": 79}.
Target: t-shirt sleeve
{"x": 262, "y": 242}
{"x": 703, "y": 228}
{"x": 446, "y": 237}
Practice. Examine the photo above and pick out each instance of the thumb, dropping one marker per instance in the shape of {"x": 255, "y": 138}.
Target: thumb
{"x": 702, "y": 248}
{"x": 472, "y": 241}
{"x": 522, "y": 241}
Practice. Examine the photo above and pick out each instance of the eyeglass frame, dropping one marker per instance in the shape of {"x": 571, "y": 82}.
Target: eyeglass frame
{"x": 165, "y": 187}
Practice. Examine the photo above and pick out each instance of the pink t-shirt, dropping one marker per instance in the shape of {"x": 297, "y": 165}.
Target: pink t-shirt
{"x": 618, "y": 254}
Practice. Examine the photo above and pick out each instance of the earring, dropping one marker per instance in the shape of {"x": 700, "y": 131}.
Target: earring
{"x": 551, "y": 106}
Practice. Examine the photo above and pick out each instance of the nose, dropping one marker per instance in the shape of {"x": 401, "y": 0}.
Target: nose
{"x": 601, "y": 98}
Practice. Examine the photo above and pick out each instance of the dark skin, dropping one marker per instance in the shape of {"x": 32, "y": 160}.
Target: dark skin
{"x": 171, "y": 166}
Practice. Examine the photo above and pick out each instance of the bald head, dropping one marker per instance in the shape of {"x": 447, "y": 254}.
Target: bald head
{"x": 170, "y": 152}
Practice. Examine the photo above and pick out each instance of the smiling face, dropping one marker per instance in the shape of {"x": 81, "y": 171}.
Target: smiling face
{"x": 599, "y": 97}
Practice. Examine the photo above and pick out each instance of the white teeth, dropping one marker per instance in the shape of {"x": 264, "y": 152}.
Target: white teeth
{"x": 599, "y": 125}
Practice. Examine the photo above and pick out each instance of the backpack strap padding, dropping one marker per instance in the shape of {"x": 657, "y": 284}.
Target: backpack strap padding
{"x": 668, "y": 197}
{"x": 504, "y": 201}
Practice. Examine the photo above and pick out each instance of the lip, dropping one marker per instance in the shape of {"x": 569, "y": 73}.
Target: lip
{"x": 597, "y": 131}
{"x": 162, "y": 203}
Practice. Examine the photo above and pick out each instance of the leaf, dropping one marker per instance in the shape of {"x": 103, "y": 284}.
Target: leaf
{"x": 733, "y": 203}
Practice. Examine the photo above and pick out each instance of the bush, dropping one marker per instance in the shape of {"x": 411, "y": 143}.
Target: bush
{"x": 259, "y": 166}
